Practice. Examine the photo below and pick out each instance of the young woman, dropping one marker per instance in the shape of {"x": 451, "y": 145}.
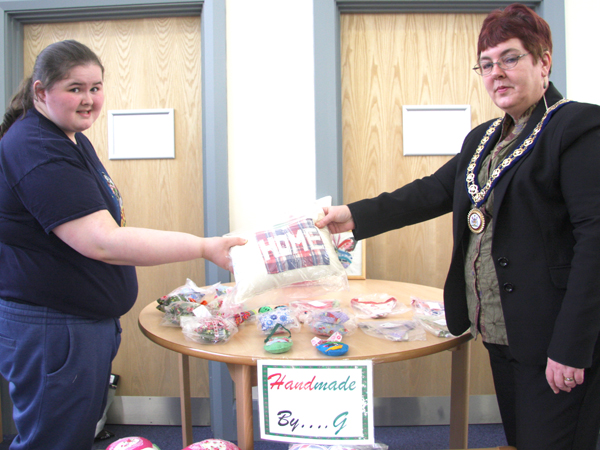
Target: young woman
{"x": 68, "y": 262}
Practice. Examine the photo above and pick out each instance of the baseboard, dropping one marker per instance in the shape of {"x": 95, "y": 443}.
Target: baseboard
{"x": 401, "y": 411}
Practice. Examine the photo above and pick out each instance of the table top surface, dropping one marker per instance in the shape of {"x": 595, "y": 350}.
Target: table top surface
{"x": 247, "y": 345}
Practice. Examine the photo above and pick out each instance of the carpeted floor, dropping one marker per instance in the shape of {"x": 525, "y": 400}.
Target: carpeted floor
{"x": 397, "y": 438}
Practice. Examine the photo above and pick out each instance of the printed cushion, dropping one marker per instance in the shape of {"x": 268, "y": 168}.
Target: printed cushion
{"x": 213, "y": 444}
{"x": 294, "y": 253}
{"x": 132, "y": 443}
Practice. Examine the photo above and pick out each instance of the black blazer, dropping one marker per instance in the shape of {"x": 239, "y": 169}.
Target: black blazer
{"x": 546, "y": 244}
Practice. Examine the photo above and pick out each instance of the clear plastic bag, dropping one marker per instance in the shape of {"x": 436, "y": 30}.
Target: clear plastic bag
{"x": 303, "y": 308}
{"x": 176, "y": 310}
{"x": 208, "y": 330}
{"x": 395, "y": 330}
{"x": 427, "y": 307}
{"x": 431, "y": 315}
{"x": 280, "y": 315}
{"x": 376, "y": 306}
{"x": 190, "y": 292}
{"x": 435, "y": 325}
{"x": 291, "y": 259}
{"x": 335, "y": 320}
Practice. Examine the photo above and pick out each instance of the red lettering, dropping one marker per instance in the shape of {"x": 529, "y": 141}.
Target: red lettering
{"x": 279, "y": 382}
{"x": 308, "y": 386}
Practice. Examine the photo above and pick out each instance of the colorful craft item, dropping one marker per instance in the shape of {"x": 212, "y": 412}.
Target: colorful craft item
{"x": 191, "y": 293}
{"x": 279, "y": 315}
{"x": 278, "y": 344}
{"x": 325, "y": 323}
{"x": 176, "y": 310}
{"x": 332, "y": 346}
{"x": 240, "y": 318}
{"x": 208, "y": 330}
{"x": 212, "y": 444}
{"x": 332, "y": 316}
{"x": 344, "y": 249}
{"x": 132, "y": 443}
{"x": 371, "y": 307}
{"x": 167, "y": 300}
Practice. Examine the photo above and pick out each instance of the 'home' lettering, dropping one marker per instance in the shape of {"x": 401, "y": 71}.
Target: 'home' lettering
{"x": 292, "y": 245}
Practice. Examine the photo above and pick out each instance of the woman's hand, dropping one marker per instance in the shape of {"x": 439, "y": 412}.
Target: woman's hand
{"x": 337, "y": 218}
{"x": 561, "y": 377}
{"x": 216, "y": 250}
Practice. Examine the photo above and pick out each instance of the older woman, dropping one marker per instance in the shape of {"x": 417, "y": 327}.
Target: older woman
{"x": 526, "y": 261}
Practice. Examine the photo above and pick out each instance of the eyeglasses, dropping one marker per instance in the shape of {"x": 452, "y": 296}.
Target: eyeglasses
{"x": 505, "y": 63}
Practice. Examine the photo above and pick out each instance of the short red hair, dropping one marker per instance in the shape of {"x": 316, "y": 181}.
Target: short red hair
{"x": 516, "y": 21}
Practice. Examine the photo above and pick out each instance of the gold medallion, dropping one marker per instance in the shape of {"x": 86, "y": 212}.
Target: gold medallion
{"x": 476, "y": 220}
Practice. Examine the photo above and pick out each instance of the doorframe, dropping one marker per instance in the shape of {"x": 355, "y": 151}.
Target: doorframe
{"x": 328, "y": 110}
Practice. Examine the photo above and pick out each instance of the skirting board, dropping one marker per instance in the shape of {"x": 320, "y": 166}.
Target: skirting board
{"x": 401, "y": 411}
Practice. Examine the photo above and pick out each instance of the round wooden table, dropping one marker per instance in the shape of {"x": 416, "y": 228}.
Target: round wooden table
{"x": 245, "y": 348}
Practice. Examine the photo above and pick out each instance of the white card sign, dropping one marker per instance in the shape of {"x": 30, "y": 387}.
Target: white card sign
{"x": 325, "y": 402}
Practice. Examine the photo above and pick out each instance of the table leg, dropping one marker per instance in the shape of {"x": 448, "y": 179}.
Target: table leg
{"x": 242, "y": 377}
{"x": 185, "y": 394}
{"x": 459, "y": 396}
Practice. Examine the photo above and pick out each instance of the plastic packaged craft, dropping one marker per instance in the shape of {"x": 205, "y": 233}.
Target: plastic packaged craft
{"x": 208, "y": 330}
{"x": 431, "y": 315}
{"x": 176, "y": 310}
{"x": 375, "y": 446}
{"x": 303, "y": 308}
{"x": 280, "y": 315}
{"x": 290, "y": 259}
{"x": 190, "y": 292}
{"x": 325, "y": 323}
{"x": 395, "y": 330}
{"x": 427, "y": 307}
{"x": 435, "y": 325}
{"x": 375, "y": 306}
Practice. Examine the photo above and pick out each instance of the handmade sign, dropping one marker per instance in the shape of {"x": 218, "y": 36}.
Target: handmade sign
{"x": 326, "y": 402}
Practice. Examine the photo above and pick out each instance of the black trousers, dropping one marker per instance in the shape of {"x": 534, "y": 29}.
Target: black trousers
{"x": 534, "y": 417}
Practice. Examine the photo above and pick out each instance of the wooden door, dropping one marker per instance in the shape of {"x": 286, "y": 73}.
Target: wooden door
{"x": 149, "y": 63}
{"x": 391, "y": 60}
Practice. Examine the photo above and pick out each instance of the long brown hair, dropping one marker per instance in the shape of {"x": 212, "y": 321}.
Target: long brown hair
{"x": 52, "y": 65}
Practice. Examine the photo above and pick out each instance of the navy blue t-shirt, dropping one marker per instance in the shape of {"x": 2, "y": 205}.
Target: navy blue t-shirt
{"x": 46, "y": 180}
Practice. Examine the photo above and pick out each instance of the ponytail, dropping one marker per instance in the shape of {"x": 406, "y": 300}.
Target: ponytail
{"x": 18, "y": 107}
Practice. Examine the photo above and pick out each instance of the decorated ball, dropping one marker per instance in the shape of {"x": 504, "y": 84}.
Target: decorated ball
{"x": 132, "y": 443}
{"x": 213, "y": 444}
